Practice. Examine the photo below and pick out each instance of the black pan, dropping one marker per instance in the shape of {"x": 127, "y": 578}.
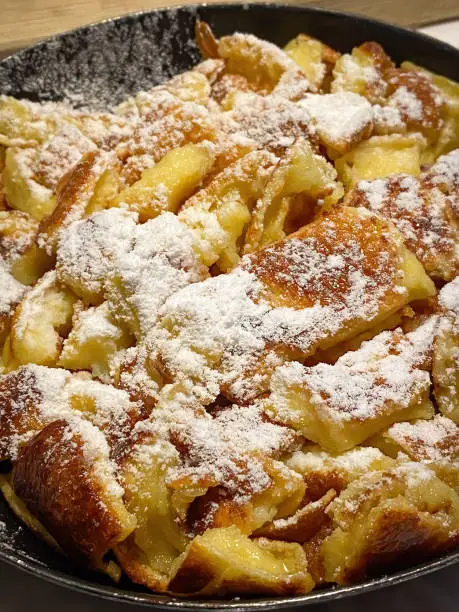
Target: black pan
{"x": 106, "y": 62}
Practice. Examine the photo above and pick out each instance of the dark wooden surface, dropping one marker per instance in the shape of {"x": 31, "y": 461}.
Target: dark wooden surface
{"x": 23, "y": 22}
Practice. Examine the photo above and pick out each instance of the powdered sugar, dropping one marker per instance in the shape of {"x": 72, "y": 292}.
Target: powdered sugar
{"x": 165, "y": 123}
{"x": 445, "y": 171}
{"x": 158, "y": 262}
{"x": 229, "y": 449}
{"x": 340, "y": 118}
{"x": 87, "y": 248}
{"x": 11, "y": 291}
{"x": 351, "y": 70}
{"x": 278, "y": 72}
{"x": 31, "y": 397}
{"x": 31, "y": 305}
{"x": 436, "y": 439}
{"x": 215, "y": 332}
{"x": 448, "y": 297}
{"x": 266, "y": 121}
{"x": 25, "y": 161}
{"x": 136, "y": 374}
{"x": 384, "y": 374}
{"x": 96, "y": 452}
{"x": 94, "y": 322}
{"x": 62, "y": 151}
{"x": 109, "y": 409}
{"x": 415, "y": 474}
{"x": 375, "y": 192}
{"x": 34, "y": 396}
{"x": 387, "y": 119}
{"x": 408, "y": 103}
{"x": 138, "y": 266}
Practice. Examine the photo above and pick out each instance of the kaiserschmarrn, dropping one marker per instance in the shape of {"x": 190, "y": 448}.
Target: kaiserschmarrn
{"x": 229, "y": 312}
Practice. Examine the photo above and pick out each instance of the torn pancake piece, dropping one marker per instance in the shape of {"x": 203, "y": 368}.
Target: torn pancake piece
{"x": 329, "y": 281}
{"x": 341, "y": 405}
{"x": 224, "y": 561}
{"x": 424, "y": 209}
{"x": 434, "y": 442}
{"x": 388, "y": 519}
{"x": 65, "y": 477}
{"x": 445, "y": 371}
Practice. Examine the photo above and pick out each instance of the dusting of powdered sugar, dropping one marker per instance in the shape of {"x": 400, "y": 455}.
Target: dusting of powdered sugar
{"x": 87, "y": 249}
{"x": 421, "y": 208}
{"x": 229, "y": 449}
{"x": 384, "y": 375}
{"x": 96, "y": 453}
{"x": 30, "y": 397}
{"x": 408, "y": 103}
{"x": 215, "y": 332}
{"x": 448, "y": 297}
{"x": 159, "y": 261}
{"x": 387, "y": 119}
{"x": 11, "y": 290}
{"x": 60, "y": 153}
{"x": 430, "y": 440}
{"x": 339, "y": 117}
{"x": 34, "y": 396}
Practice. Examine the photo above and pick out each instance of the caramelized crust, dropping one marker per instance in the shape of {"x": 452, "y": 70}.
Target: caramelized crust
{"x": 22, "y": 396}
{"x": 66, "y": 481}
{"x": 285, "y": 283}
{"x": 286, "y": 269}
{"x": 425, "y": 210}
{"x": 417, "y": 99}
{"x": 389, "y": 519}
{"x": 205, "y": 40}
{"x": 73, "y": 196}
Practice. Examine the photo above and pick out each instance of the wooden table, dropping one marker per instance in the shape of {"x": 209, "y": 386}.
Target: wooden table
{"x": 23, "y": 22}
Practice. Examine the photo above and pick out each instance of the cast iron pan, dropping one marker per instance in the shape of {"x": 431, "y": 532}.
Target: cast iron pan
{"x": 106, "y": 62}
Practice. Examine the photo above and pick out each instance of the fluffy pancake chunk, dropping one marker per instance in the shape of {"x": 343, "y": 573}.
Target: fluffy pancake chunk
{"x": 424, "y": 209}
{"x": 224, "y": 561}
{"x": 34, "y": 396}
{"x": 330, "y": 281}
{"x": 389, "y": 519}
{"x": 434, "y": 442}
{"x": 341, "y": 405}
{"x": 65, "y": 477}
{"x": 445, "y": 371}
